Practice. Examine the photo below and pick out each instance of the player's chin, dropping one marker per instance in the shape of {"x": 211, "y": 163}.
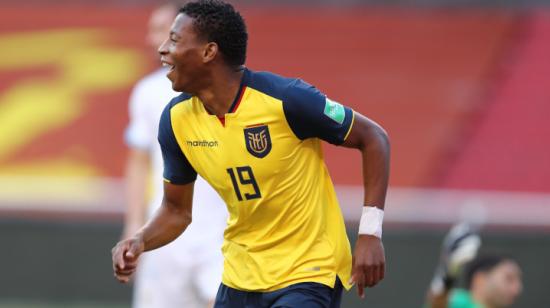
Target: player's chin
{"x": 171, "y": 77}
{"x": 178, "y": 86}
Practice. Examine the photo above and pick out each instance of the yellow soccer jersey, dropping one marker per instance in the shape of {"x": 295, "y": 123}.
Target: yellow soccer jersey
{"x": 265, "y": 160}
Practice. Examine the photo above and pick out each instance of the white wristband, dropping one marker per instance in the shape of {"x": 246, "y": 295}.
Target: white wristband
{"x": 371, "y": 221}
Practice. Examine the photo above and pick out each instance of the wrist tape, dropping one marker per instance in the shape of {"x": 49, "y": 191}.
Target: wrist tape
{"x": 371, "y": 221}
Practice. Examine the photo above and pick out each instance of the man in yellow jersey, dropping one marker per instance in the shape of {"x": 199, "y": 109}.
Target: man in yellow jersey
{"x": 255, "y": 137}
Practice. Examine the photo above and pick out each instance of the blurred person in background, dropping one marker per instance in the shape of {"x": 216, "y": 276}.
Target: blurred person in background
{"x": 187, "y": 272}
{"x": 491, "y": 281}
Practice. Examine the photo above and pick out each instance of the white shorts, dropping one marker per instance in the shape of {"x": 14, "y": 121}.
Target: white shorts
{"x": 178, "y": 275}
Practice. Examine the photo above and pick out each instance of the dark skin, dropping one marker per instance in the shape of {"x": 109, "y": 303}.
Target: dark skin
{"x": 369, "y": 262}
{"x": 169, "y": 222}
{"x": 198, "y": 68}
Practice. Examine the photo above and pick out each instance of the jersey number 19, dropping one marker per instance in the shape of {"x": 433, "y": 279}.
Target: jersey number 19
{"x": 248, "y": 180}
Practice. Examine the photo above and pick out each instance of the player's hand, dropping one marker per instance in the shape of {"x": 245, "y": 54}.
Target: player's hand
{"x": 369, "y": 263}
{"x": 125, "y": 256}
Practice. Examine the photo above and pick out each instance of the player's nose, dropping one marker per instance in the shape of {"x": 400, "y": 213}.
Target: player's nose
{"x": 163, "y": 49}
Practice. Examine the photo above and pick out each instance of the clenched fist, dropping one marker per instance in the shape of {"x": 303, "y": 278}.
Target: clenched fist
{"x": 125, "y": 256}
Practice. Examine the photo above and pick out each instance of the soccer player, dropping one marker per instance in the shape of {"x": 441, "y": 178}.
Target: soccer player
{"x": 171, "y": 276}
{"x": 256, "y": 138}
{"x": 491, "y": 281}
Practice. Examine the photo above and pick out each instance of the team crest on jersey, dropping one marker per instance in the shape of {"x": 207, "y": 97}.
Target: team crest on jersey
{"x": 258, "y": 141}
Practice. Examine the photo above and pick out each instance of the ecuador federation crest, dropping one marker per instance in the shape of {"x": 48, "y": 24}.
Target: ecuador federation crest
{"x": 258, "y": 141}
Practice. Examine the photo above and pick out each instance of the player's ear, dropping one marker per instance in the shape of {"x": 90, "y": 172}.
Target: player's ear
{"x": 210, "y": 51}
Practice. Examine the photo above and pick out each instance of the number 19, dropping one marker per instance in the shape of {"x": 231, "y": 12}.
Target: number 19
{"x": 249, "y": 180}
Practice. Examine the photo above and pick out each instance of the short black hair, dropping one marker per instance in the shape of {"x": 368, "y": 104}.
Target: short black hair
{"x": 219, "y": 22}
{"x": 483, "y": 264}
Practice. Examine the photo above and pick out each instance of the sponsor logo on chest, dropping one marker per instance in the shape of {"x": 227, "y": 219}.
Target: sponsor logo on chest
{"x": 202, "y": 143}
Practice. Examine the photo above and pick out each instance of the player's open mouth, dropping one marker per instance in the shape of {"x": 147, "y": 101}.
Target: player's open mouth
{"x": 170, "y": 66}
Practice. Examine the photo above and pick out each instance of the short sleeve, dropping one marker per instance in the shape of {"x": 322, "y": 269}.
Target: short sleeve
{"x": 140, "y": 132}
{"x": 311, "y": 114}
{"x": 177, "y": 169}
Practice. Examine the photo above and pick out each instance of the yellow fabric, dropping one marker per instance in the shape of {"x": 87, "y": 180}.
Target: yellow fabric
{"x": 295, "y": 232}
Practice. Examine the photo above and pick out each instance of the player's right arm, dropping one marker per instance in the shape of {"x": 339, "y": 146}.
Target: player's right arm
{"x": 170, "y": 220}
{"x": 175, "y": 213}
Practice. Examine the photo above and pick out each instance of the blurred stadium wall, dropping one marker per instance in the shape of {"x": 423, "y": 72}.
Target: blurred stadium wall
{"x": 461, "y": 87}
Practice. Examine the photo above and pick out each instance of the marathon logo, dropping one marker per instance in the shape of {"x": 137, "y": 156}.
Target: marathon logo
{"x": 203, "y": 143}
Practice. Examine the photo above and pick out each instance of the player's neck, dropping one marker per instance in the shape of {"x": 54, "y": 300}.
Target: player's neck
{"x": 224, "y": 86}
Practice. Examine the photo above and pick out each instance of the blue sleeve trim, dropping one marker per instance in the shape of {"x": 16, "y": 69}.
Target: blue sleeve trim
{"x": 177, "y": 169}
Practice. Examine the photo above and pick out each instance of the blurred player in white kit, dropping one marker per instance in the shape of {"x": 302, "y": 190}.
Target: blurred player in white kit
{"x": 187, "y": 272}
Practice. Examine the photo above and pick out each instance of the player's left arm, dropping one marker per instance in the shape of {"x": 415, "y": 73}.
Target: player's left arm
{"x": 311, "y": 114}
{"x": 373, "y": 142}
